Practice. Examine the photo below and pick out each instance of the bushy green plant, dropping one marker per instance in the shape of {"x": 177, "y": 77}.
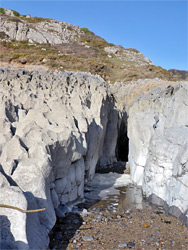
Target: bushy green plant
{"x": 16, "y": 13}
{"x": 15, "y": 56}
{"x": 2, "y": 11}
{"x": 86, "y": 31}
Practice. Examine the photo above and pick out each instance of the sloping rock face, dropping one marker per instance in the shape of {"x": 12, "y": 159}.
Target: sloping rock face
{"x": 39, "y": 30}
{"x": 55, "y": 129}
{"x": 158, "y": 146}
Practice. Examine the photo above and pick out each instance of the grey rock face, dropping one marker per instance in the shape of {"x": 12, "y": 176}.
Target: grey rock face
{"x": 158, "y": 136}
{"x": 131, "y": 55}
{"x": 47, "y": 31}
{"x": 54, "y": 131}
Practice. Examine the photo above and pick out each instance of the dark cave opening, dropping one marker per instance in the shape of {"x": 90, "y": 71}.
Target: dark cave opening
{"x": 122, "y": 148}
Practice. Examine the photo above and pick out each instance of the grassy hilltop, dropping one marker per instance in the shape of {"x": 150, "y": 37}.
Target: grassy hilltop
{"x": 84, "y": 51}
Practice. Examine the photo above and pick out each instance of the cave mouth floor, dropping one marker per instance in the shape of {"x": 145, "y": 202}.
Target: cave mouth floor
{"x": 115, "y": 217}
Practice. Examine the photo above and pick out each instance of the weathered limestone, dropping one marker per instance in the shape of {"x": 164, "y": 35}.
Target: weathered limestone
{"x": 40, "y": 30}
{"x": 158, "y": 155}
{"x": 132, "y": 55}
{"x": 55, "y": 129}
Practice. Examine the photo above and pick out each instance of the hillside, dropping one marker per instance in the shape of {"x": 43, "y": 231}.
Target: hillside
{"x": 182, "y": 74}
{"x": 30, "y": 42}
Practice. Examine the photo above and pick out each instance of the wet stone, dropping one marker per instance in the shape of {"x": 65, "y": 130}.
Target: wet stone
{"x": 128, "y": 216}
{"x": 58, "y": 236}
{"x": 102, "y": 229}
{"x": 75, "y": 221}
{"x": 68, "y": 221}
{"x": 130, "y": 244}
{"x": 87, "y": 238}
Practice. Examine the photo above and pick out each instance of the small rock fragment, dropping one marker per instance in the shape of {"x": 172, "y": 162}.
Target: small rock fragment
{"x": 131, "y": 244}
{"x": 87, "y": 238}
{"x": 146, "y": 225}
{"x": 122, "y": 245}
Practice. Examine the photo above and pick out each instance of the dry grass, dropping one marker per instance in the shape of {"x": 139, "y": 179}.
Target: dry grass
{"x": 136, "y": 90}
{"x": 87, "y": 54}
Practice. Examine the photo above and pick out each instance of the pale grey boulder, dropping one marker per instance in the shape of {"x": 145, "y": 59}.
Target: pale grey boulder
{"x": 12, "y": 235}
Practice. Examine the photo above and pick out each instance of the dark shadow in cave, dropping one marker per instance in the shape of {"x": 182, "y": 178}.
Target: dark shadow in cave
{"x": 122, "y": 148}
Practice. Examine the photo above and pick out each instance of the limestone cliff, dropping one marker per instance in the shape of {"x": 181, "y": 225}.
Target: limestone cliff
{"x": 158, "y": 145}
{"x": 55, "y": 129}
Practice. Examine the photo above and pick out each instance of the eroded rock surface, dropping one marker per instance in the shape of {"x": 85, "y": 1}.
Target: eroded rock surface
{"x": 39, "y": 30}
{"x": 158, "y": 146}
{"x": 55, "y": 129}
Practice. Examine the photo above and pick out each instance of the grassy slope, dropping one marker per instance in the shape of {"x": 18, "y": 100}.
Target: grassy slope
{"x": 86, "y": 55}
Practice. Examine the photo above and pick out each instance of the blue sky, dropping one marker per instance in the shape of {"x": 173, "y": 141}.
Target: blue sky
{"x": 158, "y": 29}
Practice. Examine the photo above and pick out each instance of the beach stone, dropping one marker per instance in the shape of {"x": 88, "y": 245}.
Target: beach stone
{"x": 122, "y": 245}
{"x": 130, "y": 244}
{"x": 87, "y": 238}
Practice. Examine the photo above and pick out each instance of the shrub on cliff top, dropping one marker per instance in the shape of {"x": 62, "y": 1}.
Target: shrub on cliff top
{"x": 16, "y": 13}
{"x": 86, "y": 31}
{"x": 2, "y": 11}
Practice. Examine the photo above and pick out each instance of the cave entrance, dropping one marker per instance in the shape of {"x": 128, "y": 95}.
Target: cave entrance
{"x": 122, "y": 148}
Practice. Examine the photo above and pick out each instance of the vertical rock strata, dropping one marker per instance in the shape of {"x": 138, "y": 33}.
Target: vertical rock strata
{"x": 158, "y": 146}
{"x": 55, "y": 129}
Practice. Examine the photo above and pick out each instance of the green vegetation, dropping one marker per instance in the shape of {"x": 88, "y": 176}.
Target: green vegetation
{"x": 37, "y": 19}
{"x": 14, "y": 19}
{"x": 2, "y": 11}
{"x": 87, "y": 54}
{"x": 86, "y": 31}
{"x": 16, "y": 13}
{"x": 2, "y": 35}
{"x": 15, "y": 56}
{"x": 133, "y": 50}
{"x": 158, "y": 212}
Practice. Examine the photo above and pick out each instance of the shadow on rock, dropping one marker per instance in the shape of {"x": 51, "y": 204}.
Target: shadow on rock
{"x": 68, "y": 228}
{"x": 64, "y": 230}
{"x": 7, "y": 240}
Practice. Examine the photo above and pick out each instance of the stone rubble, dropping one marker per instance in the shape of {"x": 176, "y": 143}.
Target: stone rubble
{"x": 114, "y": 231}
